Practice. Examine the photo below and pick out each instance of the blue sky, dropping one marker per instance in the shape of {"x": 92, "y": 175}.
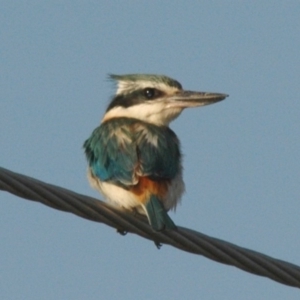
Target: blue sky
{"x": 241, "y": 156}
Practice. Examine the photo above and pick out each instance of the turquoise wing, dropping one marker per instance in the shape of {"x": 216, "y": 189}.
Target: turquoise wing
{"x": 111, "y": 154}
{"x": 159, "y": 152}
{"x": 121, "y": 150}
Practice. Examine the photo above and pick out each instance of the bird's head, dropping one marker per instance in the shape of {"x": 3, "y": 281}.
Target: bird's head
{"x": 156, "y": 99}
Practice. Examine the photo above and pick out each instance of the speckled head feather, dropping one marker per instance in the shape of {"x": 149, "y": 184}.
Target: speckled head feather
{"x": 132, "y": 82}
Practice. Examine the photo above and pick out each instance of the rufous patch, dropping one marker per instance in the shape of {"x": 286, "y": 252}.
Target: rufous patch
{"x": 147, "y": 187}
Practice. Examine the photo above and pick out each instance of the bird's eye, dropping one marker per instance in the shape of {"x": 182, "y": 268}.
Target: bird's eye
{"x": 149, "y": 93}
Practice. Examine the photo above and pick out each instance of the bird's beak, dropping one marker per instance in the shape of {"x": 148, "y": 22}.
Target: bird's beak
{"x": 184, "y": 99}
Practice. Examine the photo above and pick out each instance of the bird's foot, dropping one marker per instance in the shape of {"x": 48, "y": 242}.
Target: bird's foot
{"x": 122, "y": 231}
{"x": 158, "y": 245}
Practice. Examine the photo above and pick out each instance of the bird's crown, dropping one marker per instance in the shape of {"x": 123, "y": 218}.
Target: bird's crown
{"x": 131, "y": 82}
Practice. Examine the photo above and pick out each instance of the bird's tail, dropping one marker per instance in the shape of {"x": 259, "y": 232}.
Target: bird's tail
{"x": 157, "y": 215}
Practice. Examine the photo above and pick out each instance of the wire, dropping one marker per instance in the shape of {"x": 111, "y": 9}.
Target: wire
{"x": 183, "y": 238}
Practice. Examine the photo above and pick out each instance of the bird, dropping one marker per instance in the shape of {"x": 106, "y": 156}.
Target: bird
{"x": 134, "y": 158}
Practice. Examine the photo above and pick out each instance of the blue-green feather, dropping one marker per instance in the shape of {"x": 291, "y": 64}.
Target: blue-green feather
{"x": 158, "y": 217}
{"x": 119, "y": 150}
{"x": 161, "y": 161}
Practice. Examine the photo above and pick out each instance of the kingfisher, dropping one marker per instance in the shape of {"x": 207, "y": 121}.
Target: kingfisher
{"x": 134, "y": 158}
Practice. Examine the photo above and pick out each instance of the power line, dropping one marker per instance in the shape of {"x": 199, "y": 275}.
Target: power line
{"x": 183, "y": 238}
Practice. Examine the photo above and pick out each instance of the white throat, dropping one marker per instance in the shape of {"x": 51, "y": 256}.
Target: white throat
{"x": 154, "y": 113}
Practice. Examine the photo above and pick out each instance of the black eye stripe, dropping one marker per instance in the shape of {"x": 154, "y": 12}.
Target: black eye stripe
{"x": 135, "y": 97}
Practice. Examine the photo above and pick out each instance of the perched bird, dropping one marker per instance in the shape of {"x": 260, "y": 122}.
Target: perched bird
{"x": 134, "y": 158}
